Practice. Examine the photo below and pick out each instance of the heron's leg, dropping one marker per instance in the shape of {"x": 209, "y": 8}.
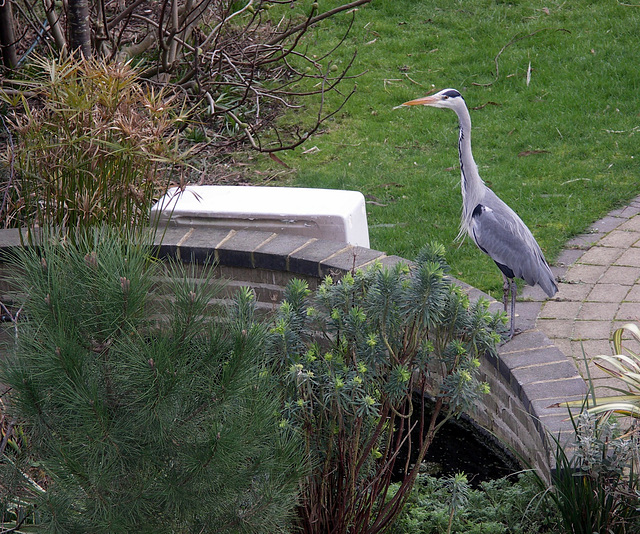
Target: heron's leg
{"x": 514, "y": 291}
{"x": 506, "y": 287}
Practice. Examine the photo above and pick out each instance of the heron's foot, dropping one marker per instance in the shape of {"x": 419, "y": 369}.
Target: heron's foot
{"x": 510, "y": 335}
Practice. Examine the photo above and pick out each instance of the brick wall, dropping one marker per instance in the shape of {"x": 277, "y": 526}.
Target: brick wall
{"x": 517, "y": 411}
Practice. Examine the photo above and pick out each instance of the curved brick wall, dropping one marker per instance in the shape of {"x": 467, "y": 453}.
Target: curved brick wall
{"x": 529, "y": 375}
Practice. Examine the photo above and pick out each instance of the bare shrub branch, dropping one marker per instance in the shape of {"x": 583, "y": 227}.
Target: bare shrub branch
{"x": 232, "y": 64}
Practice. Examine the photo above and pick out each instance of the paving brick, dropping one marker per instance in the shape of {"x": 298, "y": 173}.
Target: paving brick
{"x": 564, "y": 388}
{"x": 307, "y": 260}
{"x": 598, "y": 311}
{"x": 553, "y": 309}
{"x": 558, "y": 426}
{"x": 626, "y": 212}
{"x": 595, "y": 373}
{"x": 634, "y": 294}
{"x": 568, "y": 256}
{"x": 620, "y": 239}
{"x": 604, "y": 388}
{"x": 585, "y": 273}
{"x": 533, "y": 357}
{"x": 545, "y": 373}
{"x": 629, "y": 311}
{"x": 390, "y": 262}
{"x": 348, "y": 259}
{"x": 534, "y": 293}
{"x": 608, "y": 293}
{"x": 584, "y": 241}
{"x": 589, "y": 349}
{"x": 171, "y": 235}
{"x": 617, "y": 274}
{"x": 199, "y": 244}
{"x": 554, "y": 406}
{"x": 10, "y": 238}
{"x": 598, "y": 255}
{"x": 473, "y": 293}
{"x": 526, "y": 315}
{"x": 629, "y": 343}
{"x": 575, "y": 292}
{"x": 632, "y": 224}
{"x": 237, "y": 249}
{"x": 607, "y": 223}
{"x": 618, "y": 323}
{"x": 591, "y": 329}
{"x": 563, "y": 345}
{"x": 167, "y": 241}
{"x": 274, "y": 253}
{"x": 630, "y": 257}
{"x": 556, "y": 328}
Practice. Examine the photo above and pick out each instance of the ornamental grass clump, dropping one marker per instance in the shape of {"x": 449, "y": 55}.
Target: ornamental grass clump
{"x": 90, "y": 146}
{"x": 353, "y": 356}
{"x": 138, "y": 411}
{"x": 623, "y": 365}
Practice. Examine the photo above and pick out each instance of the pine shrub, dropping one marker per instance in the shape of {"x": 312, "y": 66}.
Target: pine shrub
{"x": 141, "y": 412}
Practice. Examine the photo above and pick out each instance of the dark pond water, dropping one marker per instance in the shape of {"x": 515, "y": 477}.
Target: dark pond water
{"x": 461, "y": 445}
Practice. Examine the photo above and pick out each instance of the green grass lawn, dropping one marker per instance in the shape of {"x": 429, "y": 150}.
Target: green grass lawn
{"x": 561, "y": 150}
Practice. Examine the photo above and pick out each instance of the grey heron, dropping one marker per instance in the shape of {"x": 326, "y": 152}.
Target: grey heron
{"x": 493, "y": 226}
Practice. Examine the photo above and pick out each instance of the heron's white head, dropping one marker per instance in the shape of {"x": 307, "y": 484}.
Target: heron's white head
{"x": 447, "y": 98}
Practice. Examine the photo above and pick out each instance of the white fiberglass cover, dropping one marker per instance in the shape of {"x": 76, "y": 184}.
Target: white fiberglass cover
{"x": 331, "y": 214}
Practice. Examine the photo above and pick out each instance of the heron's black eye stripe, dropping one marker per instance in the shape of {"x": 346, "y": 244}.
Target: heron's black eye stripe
{"x": 451, "y": 94}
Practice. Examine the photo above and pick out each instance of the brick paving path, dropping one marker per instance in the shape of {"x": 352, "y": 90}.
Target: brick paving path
{"x": 599, "y": 291}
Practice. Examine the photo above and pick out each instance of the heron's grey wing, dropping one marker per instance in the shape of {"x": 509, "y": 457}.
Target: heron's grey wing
{"x": 501, "y": 234}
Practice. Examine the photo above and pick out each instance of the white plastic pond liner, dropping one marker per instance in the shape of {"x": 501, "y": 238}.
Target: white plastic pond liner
{"x": 330, "y": 214}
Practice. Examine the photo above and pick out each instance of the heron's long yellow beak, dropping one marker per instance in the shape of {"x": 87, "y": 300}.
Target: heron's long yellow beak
{"x": 424, "y": 101}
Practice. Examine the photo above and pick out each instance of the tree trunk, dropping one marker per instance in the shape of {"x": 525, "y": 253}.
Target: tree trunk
{"x": 7, "y": 35}
{"x": 79, "y": 27}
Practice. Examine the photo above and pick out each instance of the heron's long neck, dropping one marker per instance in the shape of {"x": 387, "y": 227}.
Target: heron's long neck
{"x": 471, "y": 184}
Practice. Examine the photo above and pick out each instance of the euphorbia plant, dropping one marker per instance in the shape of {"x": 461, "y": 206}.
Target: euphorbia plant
{"x": 354, "y": 358}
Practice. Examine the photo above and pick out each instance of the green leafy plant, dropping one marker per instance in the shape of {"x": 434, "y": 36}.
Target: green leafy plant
{"x": 597, "y": 482}
{"x": 596, "y": 487}
{"x": 92, "y": 146}
{"x": 511, "y": 505}
{"x": 140, "y": 411}
{"x": 359, "y": 360}
{"x": 458, "y": 486}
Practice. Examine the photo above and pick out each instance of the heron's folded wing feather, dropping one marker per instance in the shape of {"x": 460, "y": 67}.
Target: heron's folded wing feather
{"x": 507, "y": 240}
